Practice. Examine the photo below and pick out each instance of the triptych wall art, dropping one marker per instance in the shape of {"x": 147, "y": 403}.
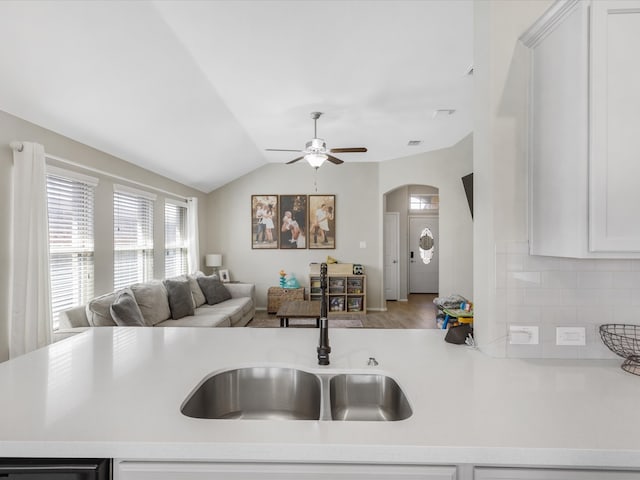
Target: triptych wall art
{"x": 293, "y": 221}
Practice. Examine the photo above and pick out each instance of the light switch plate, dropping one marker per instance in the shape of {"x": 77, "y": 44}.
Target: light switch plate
{"x": 574, "y": 336}
{"x": 522, "y": 335}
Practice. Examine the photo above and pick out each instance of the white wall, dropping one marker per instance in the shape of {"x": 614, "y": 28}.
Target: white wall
{"x": 444, "y": 170}
{"x": 357, "y": 206}
{"x": 13, "y": 128}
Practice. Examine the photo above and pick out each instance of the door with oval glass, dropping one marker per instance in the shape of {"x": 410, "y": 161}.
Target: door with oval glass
{"x": 423, "y": 254}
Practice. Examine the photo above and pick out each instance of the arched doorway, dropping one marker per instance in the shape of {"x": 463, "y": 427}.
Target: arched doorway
{"x": 407, "y": 208}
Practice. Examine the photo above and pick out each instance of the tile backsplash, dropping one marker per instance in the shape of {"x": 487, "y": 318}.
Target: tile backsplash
{"x": 550, "y": 292}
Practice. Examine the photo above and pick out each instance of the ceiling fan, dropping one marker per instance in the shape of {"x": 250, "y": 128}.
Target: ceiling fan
{"x": 316, "y": 151}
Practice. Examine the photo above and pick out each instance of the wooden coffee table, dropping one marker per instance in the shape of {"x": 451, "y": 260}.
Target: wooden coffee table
{"x": 298, "y": 309}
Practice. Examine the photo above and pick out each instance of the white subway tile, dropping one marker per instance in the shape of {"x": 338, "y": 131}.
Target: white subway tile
{"x": 524, "y": 314}
{"x": 559, "y": 314}
{"x": 614, "y": 265}
{"x": 542, "y": 297}
{"x": 523, "y": 280}
{"x": 624, "y": 279}
{"x": 559, "y": 279}
{"x": 595, "y": 280}
{"x": 594, "y": 315}
{"x": 577, "y": 297}
{"x": 614, "y": 296}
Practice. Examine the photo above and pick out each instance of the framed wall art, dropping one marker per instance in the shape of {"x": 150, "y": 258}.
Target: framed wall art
{"x": 322, "y": 221}
{"x": 224, "y": 276}
{"x": 265, "y": 231}
{"x": 293, "y": 221}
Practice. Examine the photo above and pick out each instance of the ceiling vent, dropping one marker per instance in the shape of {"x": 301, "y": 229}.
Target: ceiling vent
{"x": 414, "y": 143}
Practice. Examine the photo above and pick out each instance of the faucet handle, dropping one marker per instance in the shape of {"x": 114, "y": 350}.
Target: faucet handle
{"x": 372, "y": 362}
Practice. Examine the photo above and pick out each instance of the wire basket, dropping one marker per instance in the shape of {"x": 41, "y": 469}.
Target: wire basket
{"x": 623, "y": 340}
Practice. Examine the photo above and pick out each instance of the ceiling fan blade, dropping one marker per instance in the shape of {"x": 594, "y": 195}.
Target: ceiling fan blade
{"x": 294, "y": 160}
{"x": 335, "y": 160}
{"x": 348, "y": 150}
{"x": 279, "y": 150}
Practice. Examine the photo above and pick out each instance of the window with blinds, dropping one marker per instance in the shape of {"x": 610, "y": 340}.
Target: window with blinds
{"x": 176, "y": 250}
{"x": 132, "y": 236}
{"x": 70, "y": 202}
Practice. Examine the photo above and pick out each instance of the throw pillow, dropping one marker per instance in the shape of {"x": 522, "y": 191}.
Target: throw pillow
{"x": 196, "y": 291}
{"x": 180, "y": 299}
{"x": 125, "y": 310}
{"x": 98, "y": 311}
{"x": 153, "y": 302}
{"x": 213, "y": 289}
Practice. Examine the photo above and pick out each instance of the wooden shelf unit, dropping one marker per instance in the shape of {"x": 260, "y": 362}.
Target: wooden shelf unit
{"x": 347, "y": 293}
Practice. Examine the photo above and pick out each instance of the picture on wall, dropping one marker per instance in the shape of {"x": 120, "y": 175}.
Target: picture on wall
{"x": 322, "y": 223}
{"x": 293, "y": 221}
{"x": 264, "y": 221}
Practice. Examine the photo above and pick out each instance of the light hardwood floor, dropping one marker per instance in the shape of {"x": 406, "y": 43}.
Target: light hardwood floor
{"x": 418, "y": 312}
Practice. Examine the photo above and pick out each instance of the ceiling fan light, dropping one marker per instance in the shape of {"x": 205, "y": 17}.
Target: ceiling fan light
{"x": 315, "y": 159}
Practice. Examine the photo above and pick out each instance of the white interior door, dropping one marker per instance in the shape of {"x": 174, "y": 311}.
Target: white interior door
{"x": 391, "y": 255}
{"x": 423, "y": 277}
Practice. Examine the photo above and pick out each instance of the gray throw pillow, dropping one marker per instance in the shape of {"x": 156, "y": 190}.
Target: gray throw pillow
{"x": 125, "y": 311}
{"x": 213, "y": 289}
{"x": 152, "y": 300}
{"x": 180, "y": 299}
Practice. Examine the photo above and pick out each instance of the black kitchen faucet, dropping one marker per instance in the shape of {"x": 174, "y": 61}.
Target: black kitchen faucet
{"x": 323, "y": 347}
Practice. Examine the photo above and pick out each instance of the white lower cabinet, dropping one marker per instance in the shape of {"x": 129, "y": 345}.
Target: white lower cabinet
{"x": 481, "y": 473}
{"x": 136, "y": 470}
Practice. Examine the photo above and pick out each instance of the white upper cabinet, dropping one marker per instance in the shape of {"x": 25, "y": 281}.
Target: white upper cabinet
{"x": 584, "y": 130}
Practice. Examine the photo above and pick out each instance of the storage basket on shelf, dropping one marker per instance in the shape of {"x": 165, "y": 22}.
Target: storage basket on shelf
{"x": 276, "y": 296}
{"x": 623, "y": 340}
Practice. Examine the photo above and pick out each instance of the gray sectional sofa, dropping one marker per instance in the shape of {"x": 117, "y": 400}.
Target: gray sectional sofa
{"x": 162, "y": 304}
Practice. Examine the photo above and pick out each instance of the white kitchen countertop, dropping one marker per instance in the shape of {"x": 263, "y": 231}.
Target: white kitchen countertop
{"x": 117, "y": 392}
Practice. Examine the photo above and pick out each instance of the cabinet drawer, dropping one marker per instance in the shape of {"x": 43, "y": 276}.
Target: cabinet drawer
{"x": 551, "y": 474}
{"x": 280, "y": 471}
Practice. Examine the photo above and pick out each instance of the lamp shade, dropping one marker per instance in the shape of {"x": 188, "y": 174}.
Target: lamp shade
{"x": 213, "y": 260}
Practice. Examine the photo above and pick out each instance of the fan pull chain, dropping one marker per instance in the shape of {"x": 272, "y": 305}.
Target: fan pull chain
{"x": 315, "y": 179}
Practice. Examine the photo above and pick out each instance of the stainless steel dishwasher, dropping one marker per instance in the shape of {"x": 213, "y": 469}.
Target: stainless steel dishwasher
{"x": 55, "y": 468}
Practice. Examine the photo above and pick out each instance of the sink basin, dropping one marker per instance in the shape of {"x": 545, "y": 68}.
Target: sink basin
{"x": 367, "y": 397}
{"x": 257, "y": 393}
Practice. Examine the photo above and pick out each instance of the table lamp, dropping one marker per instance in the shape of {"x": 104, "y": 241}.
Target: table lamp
{"x": 213, "y": 260}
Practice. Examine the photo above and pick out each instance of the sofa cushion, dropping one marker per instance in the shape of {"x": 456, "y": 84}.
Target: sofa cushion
{"x": 200, "y": 319}
{"x": 213, "y": 289}
{"x": 198, "y": 297}
{"x": 98, "y": 311}
{"x": 180, "y": 298}
{"x": 153, "y": 301}
{"x": 235, "y": 308}
{"x": 125, "y": 310}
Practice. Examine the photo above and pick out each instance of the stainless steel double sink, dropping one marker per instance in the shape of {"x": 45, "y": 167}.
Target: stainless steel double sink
{"x": 276, "y": 393}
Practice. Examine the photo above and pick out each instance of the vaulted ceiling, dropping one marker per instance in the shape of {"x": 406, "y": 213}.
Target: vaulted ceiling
{"x": 197, "y": 90}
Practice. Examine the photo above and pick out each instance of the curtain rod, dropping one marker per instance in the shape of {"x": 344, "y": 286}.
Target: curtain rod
{"x": 15, "y": 145}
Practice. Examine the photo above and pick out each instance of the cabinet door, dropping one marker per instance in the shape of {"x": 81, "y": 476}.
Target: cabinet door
{"x": 256, "y": 471}
{"x": 550, "y": 474}
{"x": 614, "y": 209}
{"x": 558, "y": 132}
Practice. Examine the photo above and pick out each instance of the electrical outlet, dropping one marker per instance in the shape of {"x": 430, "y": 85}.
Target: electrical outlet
{"x": 575, "y": 336}
{"x": 520, "y": 335}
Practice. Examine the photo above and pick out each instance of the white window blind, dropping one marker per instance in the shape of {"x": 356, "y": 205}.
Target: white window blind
{"x": 70, "y": 201}
{"x": 132, "y": 236}
{"x": 176, "y": 250}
